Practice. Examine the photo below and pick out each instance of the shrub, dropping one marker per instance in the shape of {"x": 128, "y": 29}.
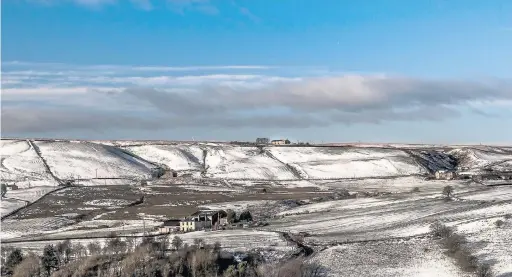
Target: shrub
{"x": 177, "y": 242}
{"x": 440, "y": 230}
{"x": 416, "y": 189}
{"x": 246, "y": 215}
{"x": 508, "y": 216}
{"x": 499, "y": 223}
{"x": 484, "y": 270}
{"x": 465, "y": 259}
{"x": 454, "y": 243}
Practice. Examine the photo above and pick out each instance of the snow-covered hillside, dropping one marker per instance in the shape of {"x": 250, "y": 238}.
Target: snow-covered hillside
{"x": 20, "y": 164}
{"x": 84, "y": 159}
{"x": 36, "y": 167}
{"x": 64, "y": 159}
{"x": 350, "y": 162}
{"x": 484, "y": 157}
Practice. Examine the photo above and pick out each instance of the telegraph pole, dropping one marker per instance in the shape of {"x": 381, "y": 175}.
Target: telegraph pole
{"x": 144, "y": 225}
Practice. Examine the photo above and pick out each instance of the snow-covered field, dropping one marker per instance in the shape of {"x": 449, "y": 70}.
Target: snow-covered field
{"x": 490, "y": 242}
{"x": 419, "y": 258}
{"x": 35, "y": 226}
{"x": 399, "y": 184}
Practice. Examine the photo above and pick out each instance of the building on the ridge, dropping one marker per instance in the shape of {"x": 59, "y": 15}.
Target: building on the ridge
{"x": 280, "y": 142}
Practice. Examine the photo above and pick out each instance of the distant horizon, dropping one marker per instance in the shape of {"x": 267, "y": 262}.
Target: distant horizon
{"x": 324, "y": 143}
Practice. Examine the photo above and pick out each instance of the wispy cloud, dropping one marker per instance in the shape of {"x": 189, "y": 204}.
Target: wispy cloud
{"x": 246, "y": 12}
{"x": 49, "y": 97}
{"x": 178, "y": 6}
{"x": 182, "y": 6}
{"x": 95, "y": 4}
{"x": 143, "y": 4}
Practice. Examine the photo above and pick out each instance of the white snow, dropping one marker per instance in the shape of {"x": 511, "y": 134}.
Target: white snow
{"x": 182, "y": 157}
{"x": 490, "y": 243}
{"x": 84, "y": 160}
{"x": 388, "y": 258}
{"x": 475, "y": 158}
{"x": 324, "y": 162}
{"x": 107, "y": 202}
{"x": 20, "y": 164}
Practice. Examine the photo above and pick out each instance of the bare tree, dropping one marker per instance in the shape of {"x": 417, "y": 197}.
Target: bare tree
{"x": 162, "y": 244}
{"x": 135, "y": 264}
{"x": 94, "y": 248}
{"x": 63, "y": 251}
{"x": 79, "y": 250}
{"x": 115, "y": 246}
{"x": 294, "y": 268}
{"x": 448, "y": 191}
{"x": 130, "y": 243}
{"x": 199, "y": 242}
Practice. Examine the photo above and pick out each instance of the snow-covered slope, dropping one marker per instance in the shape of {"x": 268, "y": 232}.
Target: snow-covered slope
{"x": 348, "y": 162}
{"x": 222, "y": 161}
{"x": 179, "y": 157}
{"x": 66, "y": 159}
{"x": 20, "y": 164}
{"x": 484, "y": 157}
{"x": 135, "y": 160}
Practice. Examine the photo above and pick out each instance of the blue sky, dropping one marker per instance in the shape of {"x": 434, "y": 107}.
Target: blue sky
{"x": 379, "y": 71}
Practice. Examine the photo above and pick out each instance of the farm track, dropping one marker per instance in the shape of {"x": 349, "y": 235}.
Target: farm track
{"x": 45, "y": 164}
{"x": 290, "y": 168}
{"x": 155, "y": 164}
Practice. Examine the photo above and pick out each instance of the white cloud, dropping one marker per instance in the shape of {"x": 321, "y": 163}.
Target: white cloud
{"x": 221, "y": 98}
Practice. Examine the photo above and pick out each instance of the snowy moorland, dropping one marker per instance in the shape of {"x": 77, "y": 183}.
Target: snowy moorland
{"x": 365, "y": 210}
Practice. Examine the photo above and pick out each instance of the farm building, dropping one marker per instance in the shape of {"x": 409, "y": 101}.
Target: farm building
{"x": 201, "y": 220}
{"x": 13, "y": 187}
{"x": 169, "y": 226}
{"x": 280, "y": 142}
{"x": 445, "y": 175}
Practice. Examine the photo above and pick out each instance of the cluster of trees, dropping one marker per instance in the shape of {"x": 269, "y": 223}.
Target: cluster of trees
{"x": 244, "y": 216}
{"x": 150, "y": 258}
